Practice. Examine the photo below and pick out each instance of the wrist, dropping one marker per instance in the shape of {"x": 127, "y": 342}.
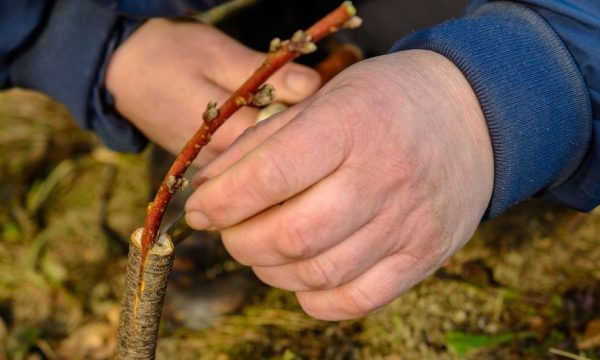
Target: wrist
{"x": 459, "y": 132}
{"x": 531, "y": 91}
{"x": 116, "y": 131}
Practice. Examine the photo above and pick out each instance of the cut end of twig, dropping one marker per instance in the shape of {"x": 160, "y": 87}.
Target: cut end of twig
{"x": 211, "y": 112}
{"x": 264, "y": 95}
{"x": 177, "y": 183}
{"x": 141, "y": 307}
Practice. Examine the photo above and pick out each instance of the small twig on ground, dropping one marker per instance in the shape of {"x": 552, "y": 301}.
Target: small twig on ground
{"x": 567, "y": 354}
{"x": 589, "y": 343}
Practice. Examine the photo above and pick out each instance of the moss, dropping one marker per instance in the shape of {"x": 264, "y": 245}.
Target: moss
{"x": 533, "y": 270}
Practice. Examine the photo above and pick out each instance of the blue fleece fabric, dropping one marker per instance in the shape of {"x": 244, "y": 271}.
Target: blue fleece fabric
{"x": 149, "y": 8}
{"x": 534, "y": 65}
{"x": 531, "y": 91}
{"x": 18, "y": 21}
{"x": 65, "y": 61}
{"x": 578, "y": 25}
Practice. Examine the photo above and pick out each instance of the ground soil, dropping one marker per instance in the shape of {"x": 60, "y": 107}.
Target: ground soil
{"x": 527, "y": 285}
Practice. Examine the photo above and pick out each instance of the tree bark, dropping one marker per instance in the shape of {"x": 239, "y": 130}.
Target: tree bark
{"x": 141, "y": 308}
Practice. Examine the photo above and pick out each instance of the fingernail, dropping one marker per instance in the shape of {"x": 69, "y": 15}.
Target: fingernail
{"x": 302, "y": 82}
{"x": 197, "y": 220}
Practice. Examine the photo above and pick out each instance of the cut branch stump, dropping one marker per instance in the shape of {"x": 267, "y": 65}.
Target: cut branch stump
{"x": 140, "y": 317}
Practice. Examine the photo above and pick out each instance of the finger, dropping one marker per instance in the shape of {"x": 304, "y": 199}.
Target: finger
{"x": 335, "y": 267}
{"x": 183, "y": 109}
{"x": 293, "y": 82}
{"x": 303, "y": 152}
{"x": 229, "y": 131}
{"x": 250, "y": 138}
{"x": 417, "y": 249}
{"x": 352, "y": 257}
{"x": 368, "y": 293}
{"x": 305, "y": 226}
{"x": 226, "y": 135}
{"x": 244, "y": 118}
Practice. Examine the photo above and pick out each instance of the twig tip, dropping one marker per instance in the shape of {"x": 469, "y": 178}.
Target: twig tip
{"x": 350, "y": 8}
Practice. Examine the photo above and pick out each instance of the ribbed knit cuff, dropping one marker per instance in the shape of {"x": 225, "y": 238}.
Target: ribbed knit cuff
{"x": 531, "y": 92}
{"x": 115, "y": 131}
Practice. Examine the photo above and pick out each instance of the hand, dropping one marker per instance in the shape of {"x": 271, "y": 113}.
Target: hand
{"x": 163, "y": 76}
{"x": 357, "y": 194}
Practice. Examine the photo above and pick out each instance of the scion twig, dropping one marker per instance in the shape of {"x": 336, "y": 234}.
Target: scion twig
{"x": 150, "y": 261}
{"x": 251, "y": 92}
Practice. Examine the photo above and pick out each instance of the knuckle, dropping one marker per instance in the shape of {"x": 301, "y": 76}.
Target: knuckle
{"x": 294, "y": 242}
{"x": 438, "y": 248}
{"x": 358, "y": 303}
{"x": 271, "y": 182}
{"x": 406, "y": 169}
{"x": 407, "y": 260}
{"x": 434, "y": 244}
{"x": 318, "y": 275}
{"x": 216, "y": 212}
{"x": 310, "y": 308}
{"x": 237, "y": 247}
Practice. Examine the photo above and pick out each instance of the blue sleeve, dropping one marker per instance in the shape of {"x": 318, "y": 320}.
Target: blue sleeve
{"x": 535, "y": 68}
{"x": 151, "y": 8}
{"x": 62, "y": 48}
{"x": 18, "y": 23}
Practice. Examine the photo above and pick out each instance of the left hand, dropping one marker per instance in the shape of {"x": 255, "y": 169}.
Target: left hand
{"x": 355, "y": 195}
{"x": 166, "y": 72}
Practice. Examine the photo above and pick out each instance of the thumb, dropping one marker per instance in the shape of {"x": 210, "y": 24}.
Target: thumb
{"x": 293, "y": 82}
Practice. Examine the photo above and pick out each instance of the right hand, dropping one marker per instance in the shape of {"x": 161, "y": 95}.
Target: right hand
{"x": 165, "y": 73}
{"x": 354, "y": 196}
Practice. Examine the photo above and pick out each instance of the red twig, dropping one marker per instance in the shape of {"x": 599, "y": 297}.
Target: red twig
{"x": 249, "y": 93}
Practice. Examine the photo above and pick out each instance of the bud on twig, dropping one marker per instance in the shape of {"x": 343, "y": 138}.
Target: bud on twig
{"x": 175, "y": 183}
{"x": 264, "y": 95}
{"x": 275, "y": 45}
{"x": 301, "y": 42}
{"x": 211, "y": 112}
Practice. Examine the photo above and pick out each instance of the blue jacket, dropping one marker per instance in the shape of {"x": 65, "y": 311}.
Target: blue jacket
{"x": 534, "y": 66}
